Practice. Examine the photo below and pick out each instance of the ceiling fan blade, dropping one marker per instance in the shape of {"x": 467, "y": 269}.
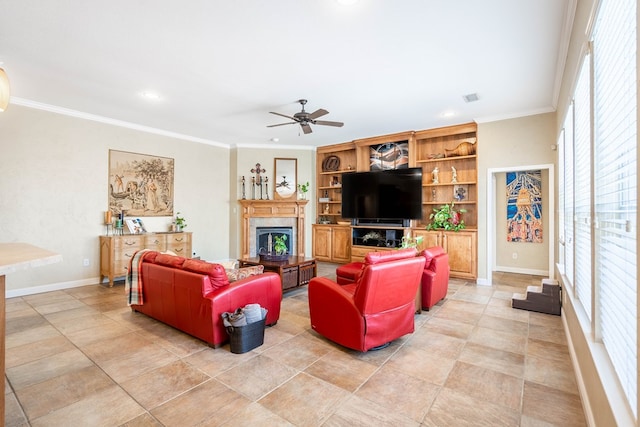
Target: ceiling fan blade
{"x": 318, "y": 113}
{"x": 281, "y": 124}
{"x": 306, "y": 128}
{"x": 283, "y": 115}
{"x": 326, "y": 123}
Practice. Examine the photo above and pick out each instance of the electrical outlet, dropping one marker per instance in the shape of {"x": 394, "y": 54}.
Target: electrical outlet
{"x": 514, "y": 255}
{"x": 86, "y": 262}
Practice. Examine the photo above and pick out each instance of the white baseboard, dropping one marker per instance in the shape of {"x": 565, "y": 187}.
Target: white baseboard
{"x": 13, "y": 293}
{"x": 516, "y": 270}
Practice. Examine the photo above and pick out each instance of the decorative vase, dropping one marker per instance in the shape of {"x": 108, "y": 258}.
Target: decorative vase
{"x": 463, "y": 149}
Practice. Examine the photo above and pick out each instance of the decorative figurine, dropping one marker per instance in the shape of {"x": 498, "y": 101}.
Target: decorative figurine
{"x": 243, "y": 194}
{"x": 434, "y": 175}
{"x": 266, "y": 186}
{"x": 454, "y": 175}
{"x": 253, "y": 187}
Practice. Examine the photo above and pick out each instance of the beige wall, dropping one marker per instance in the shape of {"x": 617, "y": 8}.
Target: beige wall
{"x": 246, "y": 159}
{"x": 53, "y": 190}
{"x": 513, "y": 144}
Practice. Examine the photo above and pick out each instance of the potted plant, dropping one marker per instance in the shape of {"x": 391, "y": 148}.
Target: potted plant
{"x": 280, "y": 245}
{"x": 410, "y": 242}
{"x": 446, "y": 217}
{"x": 303, "y": 189}
{"x": 180, "y": 222}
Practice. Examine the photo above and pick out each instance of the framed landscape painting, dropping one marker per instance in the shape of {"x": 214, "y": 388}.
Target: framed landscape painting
{"x": 140, "y": 184}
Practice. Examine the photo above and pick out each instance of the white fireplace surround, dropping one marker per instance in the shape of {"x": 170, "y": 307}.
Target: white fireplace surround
{"x": 272, "y": 213}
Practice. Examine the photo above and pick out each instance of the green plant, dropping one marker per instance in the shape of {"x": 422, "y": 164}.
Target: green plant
{"x": 280, "y": 245}
{"x": 180, "y": 221}
{"x": 303, "y": 188}
{"x": 446, "y": 217}
{"x": 411, "y": 242}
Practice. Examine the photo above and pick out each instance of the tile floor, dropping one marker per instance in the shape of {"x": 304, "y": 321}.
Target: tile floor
{"x": 80, "y": 357}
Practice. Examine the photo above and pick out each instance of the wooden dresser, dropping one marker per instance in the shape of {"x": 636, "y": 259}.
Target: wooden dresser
{"x": 117, "y": 251}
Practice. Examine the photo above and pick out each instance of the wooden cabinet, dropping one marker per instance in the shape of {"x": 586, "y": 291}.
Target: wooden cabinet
{"x": 116, "y": 251}
{"x": 450, "y": 152}
{"x": 331, "y": 243}
{"x": 460, "y": 245}
{"x": 331, "y": 162}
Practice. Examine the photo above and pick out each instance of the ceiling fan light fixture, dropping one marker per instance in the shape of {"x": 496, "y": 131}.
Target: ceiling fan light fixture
{"x": 5, "y": 92}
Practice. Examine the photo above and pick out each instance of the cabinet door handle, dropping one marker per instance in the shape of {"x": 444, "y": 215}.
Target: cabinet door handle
{"x": 179, "y": 249}
{"x": 127, "y": 242}
{"x": 128, "y": 255}
{"x": 178, "y": 239}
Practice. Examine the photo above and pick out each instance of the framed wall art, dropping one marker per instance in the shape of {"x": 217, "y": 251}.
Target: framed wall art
{"x": 285, "y": 178}
{"x": 390, "y": 155}
{"x": 140, "y": 184}
{"x": 524, "y": 206}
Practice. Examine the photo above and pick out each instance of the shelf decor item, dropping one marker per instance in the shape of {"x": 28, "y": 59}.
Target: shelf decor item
{"x": 463, "y": 149}
{"x": 180, "y": 222}
{"x": 303, "y": 189}
{"x": 446, "y": 217}
{"x": 331, "y": 163}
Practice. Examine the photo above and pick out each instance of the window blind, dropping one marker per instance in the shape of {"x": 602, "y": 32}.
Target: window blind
{"x": 568, "y": 196}
{"x": 582, "y": 186}
{"x": 561, "y": 201}
{"x": 615, "y": 188}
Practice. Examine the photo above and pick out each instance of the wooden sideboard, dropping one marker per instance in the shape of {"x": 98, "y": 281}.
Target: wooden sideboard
{"x": 116, "y": 251}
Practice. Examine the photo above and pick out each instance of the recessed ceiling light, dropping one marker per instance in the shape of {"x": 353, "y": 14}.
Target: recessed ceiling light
{"x": 448, "y": 114}
{"x": 274, "y": 139}
{"x": 150, "y": 95}
{"x": 347, "y": 2}
{"x": 471, "y": 97}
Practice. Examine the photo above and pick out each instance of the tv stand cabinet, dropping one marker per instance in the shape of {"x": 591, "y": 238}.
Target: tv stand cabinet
{"x": 369, "y": 238}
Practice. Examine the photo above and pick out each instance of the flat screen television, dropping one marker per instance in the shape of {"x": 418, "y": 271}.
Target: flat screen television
{"x": 388, "y": 194}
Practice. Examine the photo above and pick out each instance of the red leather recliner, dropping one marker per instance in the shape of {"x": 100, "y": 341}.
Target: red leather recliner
{"x": 435, "y": 277}
{"x": 376, "y": 309}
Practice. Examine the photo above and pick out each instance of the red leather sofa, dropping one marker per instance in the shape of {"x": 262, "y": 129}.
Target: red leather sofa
{"x": 435, "y": 277}
{"x": 374, "y": 310}
{"x": 190, "y": 295}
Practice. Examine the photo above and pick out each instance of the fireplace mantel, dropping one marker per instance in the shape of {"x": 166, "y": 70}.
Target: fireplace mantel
{"x": 272, "y": 209}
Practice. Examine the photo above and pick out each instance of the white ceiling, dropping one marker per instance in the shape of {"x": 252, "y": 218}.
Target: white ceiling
{"x": 379, "y": 66}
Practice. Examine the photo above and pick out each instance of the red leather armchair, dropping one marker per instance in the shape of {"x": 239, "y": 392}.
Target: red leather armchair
{"x": 374, "y": 310}
{"x": 435, "y": 277}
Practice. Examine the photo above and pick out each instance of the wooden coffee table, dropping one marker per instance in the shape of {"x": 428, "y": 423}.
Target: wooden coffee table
{"x": 295, "y": 271}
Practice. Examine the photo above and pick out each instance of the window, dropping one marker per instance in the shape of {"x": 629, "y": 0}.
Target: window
{"x": 615, "y": 188}
{"x": 598, "y": 193}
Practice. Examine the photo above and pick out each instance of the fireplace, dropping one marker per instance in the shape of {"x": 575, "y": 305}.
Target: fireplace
{"x": 265, "y": 235}
{"x": 272, "y": 214}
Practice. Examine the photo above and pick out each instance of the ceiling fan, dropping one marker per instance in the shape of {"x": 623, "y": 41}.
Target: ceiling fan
{"x": 306, "y": 119}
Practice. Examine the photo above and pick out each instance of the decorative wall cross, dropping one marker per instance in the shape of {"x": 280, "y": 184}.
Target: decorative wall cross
{"x": 258, "y": 179}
